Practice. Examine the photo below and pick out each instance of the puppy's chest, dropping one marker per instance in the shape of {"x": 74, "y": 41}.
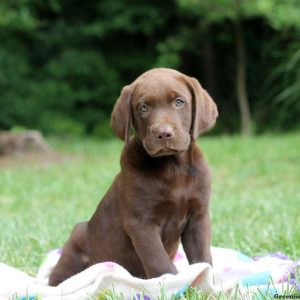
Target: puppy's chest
{"x": 169, "y": 197}
{"x": 175, "y": 200}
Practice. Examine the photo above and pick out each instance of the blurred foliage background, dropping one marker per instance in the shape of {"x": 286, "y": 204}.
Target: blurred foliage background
{"x": 63, "y": 62}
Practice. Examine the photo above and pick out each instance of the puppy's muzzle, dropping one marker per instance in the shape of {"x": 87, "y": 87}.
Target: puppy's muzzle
{"x": 165, "y": 139}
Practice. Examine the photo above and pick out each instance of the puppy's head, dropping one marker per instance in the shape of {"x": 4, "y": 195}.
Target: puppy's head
{"x": 166, "y": 108}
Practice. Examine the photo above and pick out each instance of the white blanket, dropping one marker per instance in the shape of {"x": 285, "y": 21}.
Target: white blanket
{"x": 231, "y": 269}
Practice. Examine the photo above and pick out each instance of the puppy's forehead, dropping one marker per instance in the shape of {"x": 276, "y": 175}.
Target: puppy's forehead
{"x": 159, "y": 84}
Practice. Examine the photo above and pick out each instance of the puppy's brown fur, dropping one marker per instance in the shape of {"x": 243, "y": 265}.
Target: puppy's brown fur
{"x": 161, "y": 195}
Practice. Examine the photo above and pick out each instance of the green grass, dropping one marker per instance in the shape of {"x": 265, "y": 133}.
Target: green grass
{"x": 255, "y": 200}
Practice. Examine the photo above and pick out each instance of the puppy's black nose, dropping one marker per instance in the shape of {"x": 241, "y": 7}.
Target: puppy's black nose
{"x": 162, "y": 131}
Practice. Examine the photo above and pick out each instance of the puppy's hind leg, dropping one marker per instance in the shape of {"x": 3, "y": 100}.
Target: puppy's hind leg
{"x": 74, "y": 258}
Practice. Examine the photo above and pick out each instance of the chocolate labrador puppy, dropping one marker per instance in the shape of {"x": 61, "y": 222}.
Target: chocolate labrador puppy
{"x": 161, "y": 195}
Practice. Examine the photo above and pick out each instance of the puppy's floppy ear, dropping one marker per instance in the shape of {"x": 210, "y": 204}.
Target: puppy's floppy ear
{"x": 205, "y": 110}
{"x": 121, "y": 117}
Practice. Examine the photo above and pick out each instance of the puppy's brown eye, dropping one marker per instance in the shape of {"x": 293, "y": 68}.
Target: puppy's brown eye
{"x": 144, "y": 107}
{"x": 179, "y": 102}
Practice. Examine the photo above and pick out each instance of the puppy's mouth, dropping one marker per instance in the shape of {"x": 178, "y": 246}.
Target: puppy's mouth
{"x": 165, "y": 148}
{"x": 165, "y": 152}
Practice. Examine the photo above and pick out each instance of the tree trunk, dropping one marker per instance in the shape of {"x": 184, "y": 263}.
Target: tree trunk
{"x": 209, "y": 64}
{"x": 241, "y": 87}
